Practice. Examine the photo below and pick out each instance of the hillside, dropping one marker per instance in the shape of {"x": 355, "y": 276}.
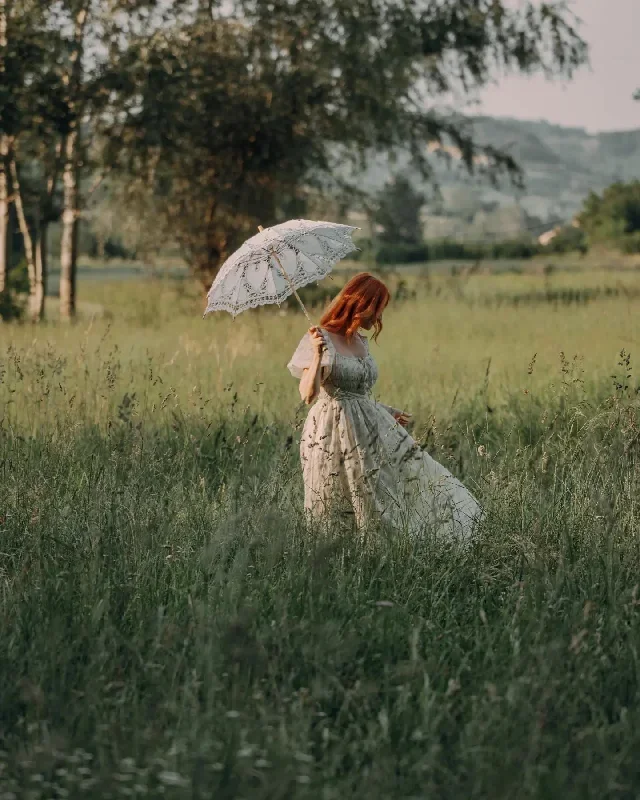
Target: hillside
{"x": 561, "y": 165}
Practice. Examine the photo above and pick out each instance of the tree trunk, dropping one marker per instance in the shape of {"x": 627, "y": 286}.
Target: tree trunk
{"x": 4, "y": 214}
{"x": 39, "y": 291}
{"x": 29, "y": 249}
{"x": 47, "y": 215}
{"x": 36, "y": 255}
{"x": 69, "y": 239}
{"x": 71, "y": 172}
{"x": 4, "y": 167}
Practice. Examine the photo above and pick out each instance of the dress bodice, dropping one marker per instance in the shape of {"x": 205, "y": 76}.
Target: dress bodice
{"x": 342, "y": 374}
{"x": 350, "y": 374}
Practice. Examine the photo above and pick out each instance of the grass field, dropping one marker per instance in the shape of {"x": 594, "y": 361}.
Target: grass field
{"x": 169, "y": 626}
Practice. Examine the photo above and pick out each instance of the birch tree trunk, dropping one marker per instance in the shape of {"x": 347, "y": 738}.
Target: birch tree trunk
{"x": 69, "y": 238}
{"x": 29, "y": 249}
{"x": 42, "y": 241}
{"x": 4, "y": 213}
{"x": 37, "y": 299}
{"x": 70, "y": 174}
{"x": 35, "y": 253}
{"x": 4, "y": 166}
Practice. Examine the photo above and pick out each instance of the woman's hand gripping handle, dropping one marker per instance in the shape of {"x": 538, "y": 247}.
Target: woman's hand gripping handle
{"x": 312, "y": 377}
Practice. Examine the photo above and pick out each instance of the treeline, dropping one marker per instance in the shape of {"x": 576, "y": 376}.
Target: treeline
{"x": 610, "y": 220}
{"x": 396, "y": 222}
{"x": 613, "y": 217}
{"x": 568, "y": 240}
{"x": 450, "y": 249}
{"x": 200, "y": 120}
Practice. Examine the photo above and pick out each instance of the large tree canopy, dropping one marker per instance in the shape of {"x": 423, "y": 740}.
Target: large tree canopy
{"x": 231, "y": 118}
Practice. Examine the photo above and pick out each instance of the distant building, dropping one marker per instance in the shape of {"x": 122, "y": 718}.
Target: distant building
{"x": 548, "y": 236}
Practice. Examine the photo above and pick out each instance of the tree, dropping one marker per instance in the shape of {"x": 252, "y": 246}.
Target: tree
{"x": 214, "y": 173}
{"x": 29, "y": 121}
{"x": 231, "y": 117}
{"x": 397, "y": 214}
{"x": 34, "y": 168}
{"x": 76, "y": 100}
{"x": 52, "y": 60}
{"x": 5, "y": 144}
{"x": 96, "y": 35}
{"x": 614, "y": 216}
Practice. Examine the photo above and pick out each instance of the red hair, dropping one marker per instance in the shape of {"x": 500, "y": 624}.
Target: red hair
{"x": 363, "y": 297}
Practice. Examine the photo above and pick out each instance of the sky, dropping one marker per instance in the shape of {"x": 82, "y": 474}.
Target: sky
{"x": 600, "y": 96}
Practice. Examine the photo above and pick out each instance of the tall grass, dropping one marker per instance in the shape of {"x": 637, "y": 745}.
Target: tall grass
{"x": 171, "y": 627}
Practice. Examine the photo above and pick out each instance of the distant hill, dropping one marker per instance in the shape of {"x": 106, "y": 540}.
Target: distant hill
{"x": 561, "y": 166}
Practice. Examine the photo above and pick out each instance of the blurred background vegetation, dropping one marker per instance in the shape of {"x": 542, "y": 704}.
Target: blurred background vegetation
{"x": 162, "y": 133}
{"x": 155, "y": 136}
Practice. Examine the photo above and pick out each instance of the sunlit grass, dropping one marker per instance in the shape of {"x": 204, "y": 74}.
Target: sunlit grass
{"x": 169, "y": 626}
{"x": 446, "y": 345}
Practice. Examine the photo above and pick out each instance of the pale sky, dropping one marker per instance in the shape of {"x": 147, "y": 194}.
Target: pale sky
{"x": 600, "y": 96}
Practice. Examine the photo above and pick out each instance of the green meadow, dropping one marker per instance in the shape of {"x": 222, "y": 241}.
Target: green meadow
{"x": 171, "y": 626}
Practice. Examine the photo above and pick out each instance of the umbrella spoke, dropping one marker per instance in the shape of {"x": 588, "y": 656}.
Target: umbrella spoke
{"x": 310, "y": 265}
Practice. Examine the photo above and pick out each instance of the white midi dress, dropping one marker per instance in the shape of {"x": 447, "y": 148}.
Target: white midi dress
{"x": 355, "y": 454}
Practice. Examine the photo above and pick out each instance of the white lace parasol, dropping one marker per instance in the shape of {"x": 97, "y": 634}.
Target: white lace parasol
{"x": 276, "y": 262}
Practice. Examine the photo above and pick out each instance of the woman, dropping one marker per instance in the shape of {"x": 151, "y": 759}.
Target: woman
{"x": 355, "y": 449}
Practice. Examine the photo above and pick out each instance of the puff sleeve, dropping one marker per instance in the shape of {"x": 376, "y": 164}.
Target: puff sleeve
{"x": 303, "y": 356}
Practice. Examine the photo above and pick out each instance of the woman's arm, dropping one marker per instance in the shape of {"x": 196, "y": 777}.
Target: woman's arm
{"x": 312, "y": 377}
{"x": 310, "y": 381}
{"x": 403, "y": 417}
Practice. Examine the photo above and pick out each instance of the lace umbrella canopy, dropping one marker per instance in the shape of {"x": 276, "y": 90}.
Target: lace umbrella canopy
{"x": 276, "y": 262}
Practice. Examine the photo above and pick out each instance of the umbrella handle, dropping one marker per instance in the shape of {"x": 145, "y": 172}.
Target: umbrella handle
{"x": 289, "y": 281}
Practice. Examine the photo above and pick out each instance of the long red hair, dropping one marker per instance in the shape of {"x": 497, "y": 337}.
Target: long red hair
{"x": 361, "y": 298}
